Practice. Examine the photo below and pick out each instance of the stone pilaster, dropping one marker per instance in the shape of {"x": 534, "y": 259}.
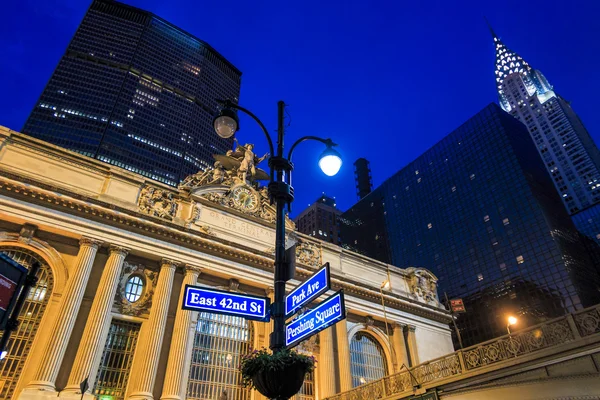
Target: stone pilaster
{"x": 60, "y": 332}
{"x": 412, "y": 345}
{"x": 174, "y": 387}
{"x": 399, "y": 347}
{"x": 145, "y": 362}
{"x": 326, "y": 367}
{"x": 92, "y": 341}
{"x": 343, "y": 347}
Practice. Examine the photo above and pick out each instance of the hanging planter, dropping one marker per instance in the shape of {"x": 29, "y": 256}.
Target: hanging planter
{"x": 276, "y": 376}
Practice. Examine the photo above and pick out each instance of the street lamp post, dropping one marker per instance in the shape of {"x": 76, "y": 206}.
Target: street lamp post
{"x": 281, "y": 193}
{"x": 511, "y": 321}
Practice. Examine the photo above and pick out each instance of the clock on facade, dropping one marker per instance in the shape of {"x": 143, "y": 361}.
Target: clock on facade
{"x": 244, "y": 197}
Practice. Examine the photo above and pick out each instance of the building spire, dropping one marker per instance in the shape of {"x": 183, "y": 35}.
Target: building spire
{"x": 490, "y": 28}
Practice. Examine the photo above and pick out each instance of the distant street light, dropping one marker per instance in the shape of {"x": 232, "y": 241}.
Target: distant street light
{"x": 511, "y": 321}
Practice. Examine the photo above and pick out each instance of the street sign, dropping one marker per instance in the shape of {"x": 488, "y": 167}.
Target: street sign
{"x": 12, "y": 278}
{"x": 307, "y": 291}
{"x": 199, "y": 298}
{"x": 323, "y": 316}
{"x": 457, "y": 306}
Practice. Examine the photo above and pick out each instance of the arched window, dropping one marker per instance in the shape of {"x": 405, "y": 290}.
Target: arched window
{"x": 219, "y": 341}
{"x": 31, "y": 314}
{"x": 367, "y": 359}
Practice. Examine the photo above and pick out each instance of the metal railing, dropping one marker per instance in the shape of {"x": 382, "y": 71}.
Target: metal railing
{"x": 506, "y": 348}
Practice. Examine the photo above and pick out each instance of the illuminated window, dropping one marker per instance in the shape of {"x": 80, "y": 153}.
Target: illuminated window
{"x": 134, "y": 288}
{"x": 429, "y": 226}
{"x": 505, "y": 221}
{"x": 29, "y": 319}
{"x": 479, "y": 277}
{"x": 219, "y": 341}
{"x": 503, "y": 267}
{"x": 520, "y": 260}
{"x": 486, "y": 218}
{"x": 117, "y": 357}
{"x": 367, "y": 359}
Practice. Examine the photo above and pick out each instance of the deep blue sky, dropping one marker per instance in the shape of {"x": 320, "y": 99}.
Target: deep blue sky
{"x": 386, "y": 80}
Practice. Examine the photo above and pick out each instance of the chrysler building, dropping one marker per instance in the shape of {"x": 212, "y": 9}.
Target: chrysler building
{"x": 569, "y": 153}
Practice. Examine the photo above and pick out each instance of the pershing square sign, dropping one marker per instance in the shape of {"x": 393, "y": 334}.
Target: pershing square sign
{"x": 219, "y": 301}
{"x": 324, "y": 315}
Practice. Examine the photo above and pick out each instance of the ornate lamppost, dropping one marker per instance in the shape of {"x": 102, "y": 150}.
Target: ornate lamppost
{"x": 281, "y": 193}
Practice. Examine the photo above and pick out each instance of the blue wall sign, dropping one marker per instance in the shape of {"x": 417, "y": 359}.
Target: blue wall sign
{"x": 323, "y": 316}
{"x": 198, "y": 298}
{"x": 307, "y": 291}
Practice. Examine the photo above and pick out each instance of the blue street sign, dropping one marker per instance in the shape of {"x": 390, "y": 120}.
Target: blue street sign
{"x": 323, "y": 316}
{"x": 198, "y": 298}
{"x": 307, "y": 291}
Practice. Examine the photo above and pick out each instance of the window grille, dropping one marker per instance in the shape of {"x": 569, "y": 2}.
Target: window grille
{"x": 219, "y": 341}
{"x": 117, "y": 357}
{"x": 367, "y": 359}
{"x": 20, "y": 341}
{"x": 307, "y": 392}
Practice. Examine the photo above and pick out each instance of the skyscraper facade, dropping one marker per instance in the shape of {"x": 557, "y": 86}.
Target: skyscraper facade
{"x": 137, "y": 92}
{"x": 569, "y": 153}
{"x": 481, "y": 212}
{"x": 320, "y": 220}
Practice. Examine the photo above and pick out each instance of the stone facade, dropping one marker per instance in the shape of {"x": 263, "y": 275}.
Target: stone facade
{"x": 95, "y": 226}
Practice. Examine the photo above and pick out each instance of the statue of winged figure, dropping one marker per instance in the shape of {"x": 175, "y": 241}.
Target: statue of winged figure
{"x": 244, "y": 162}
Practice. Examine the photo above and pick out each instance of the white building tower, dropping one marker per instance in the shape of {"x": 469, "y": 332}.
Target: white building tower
{"x": 571, "y": 156}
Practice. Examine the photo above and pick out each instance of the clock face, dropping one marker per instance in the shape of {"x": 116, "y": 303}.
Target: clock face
{"x": 245, "y": 198}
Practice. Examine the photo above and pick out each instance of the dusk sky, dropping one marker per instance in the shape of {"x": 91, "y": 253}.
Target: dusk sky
{"x": 386, "y": 80}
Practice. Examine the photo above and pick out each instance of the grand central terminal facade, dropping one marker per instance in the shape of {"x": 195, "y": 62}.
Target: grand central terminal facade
{"x": 116, "y": 250}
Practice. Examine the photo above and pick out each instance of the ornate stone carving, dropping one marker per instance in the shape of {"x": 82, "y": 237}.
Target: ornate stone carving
{"x": 234, "y": 285}
{"x": 27, "y": 232}
{"x": 142, "y": 305}
{"x": 309, "y": 346}
{"x": 157, "y": 202}
{"x": 422, "y": 284}
{"x": 369, "y": 322}
{"x": 86, "y": 241}
{"x": 309, "y": 253}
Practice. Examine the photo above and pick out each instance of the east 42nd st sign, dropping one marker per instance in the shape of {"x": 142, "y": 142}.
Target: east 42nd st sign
{"x": 221, "y": 302}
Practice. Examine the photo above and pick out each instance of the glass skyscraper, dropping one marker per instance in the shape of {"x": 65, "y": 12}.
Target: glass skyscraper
{"x": 569, "y": 153}
{"x": 480, "y": 211}
{"x": 137, "y": 92}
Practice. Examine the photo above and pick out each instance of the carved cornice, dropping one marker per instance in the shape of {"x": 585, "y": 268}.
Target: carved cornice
{"x": 110, "y": 214}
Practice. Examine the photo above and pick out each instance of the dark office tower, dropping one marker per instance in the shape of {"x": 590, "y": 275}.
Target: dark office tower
{"x": 362, "y": 176}
{"x": 569, "y": 153}
{"x": 320, "y": 220}
{"x": 480, "y": 211}
{"x": 137, "y": 92}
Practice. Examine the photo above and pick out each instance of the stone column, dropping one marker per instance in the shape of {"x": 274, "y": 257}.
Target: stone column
{"x": 92, "y": 341}
{"x": 326, "y": 365}
{"x": 343, "y": 347}
{"x": 60, "y": 332}
{"x": 412, "y": 345}
{"x": 174, "y": 385}
{"x": 399, "y": 347}
{"x": 145, "y": 362}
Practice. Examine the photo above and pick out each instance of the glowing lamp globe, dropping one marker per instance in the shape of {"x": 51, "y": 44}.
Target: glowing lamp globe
{"x": 512, "y": 320}
{"x": 226, "y": 123}
{"x": 330, "y": 162}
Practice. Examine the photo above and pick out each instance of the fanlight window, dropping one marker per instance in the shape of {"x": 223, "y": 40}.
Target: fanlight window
{"x": 134, "y": 288}
{"x": 29, "y": 320}
{"x": 219, "y": 341}
{"x": 367, "y": 359}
